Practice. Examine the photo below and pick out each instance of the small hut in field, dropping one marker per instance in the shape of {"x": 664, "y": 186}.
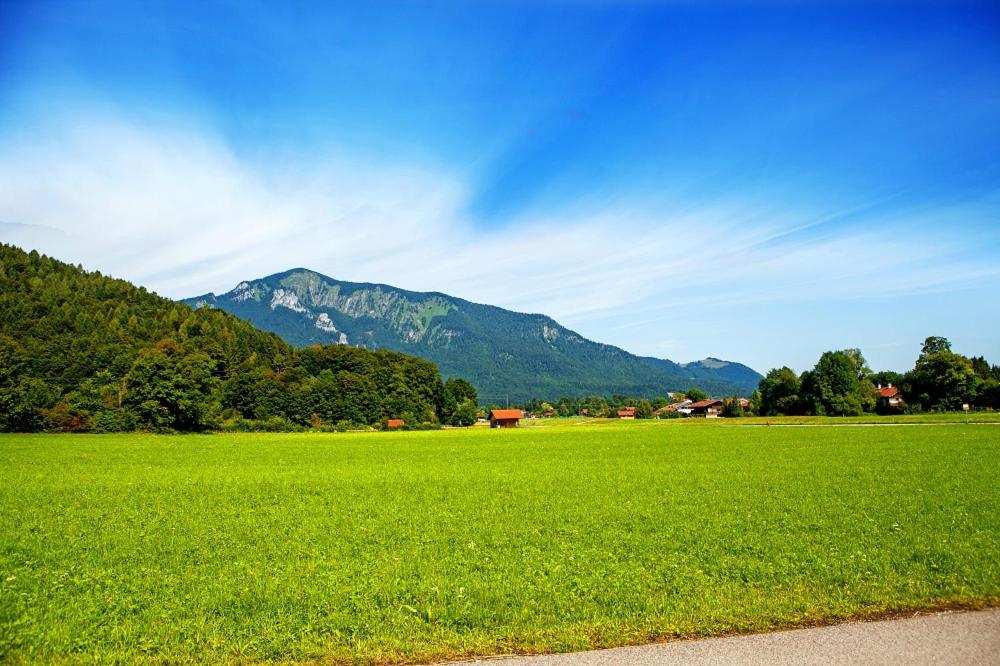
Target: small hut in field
{"x": 505, "y": 418}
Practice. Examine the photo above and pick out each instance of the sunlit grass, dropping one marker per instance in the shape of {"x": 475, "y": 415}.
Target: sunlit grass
{"x": 422, "y": 545}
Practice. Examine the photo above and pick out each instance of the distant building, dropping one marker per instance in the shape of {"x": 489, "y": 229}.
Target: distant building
{"x": 889, "y": 397}
{"x": 395, "y": 423}
{"x": 706, "y": 408}
{"x": 744, "y": 403}
{"x": 505, "y": 418}
{"x": 626, "y": 413}
{"x": 681, "y": 407}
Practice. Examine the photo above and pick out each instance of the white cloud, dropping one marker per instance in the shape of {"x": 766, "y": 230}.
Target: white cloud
{"x": 179, "y": 211}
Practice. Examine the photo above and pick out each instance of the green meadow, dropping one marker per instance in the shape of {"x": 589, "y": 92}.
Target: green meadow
{"x": 417, "y": 546}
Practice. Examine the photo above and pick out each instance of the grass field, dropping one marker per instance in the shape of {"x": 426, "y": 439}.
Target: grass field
{"x": 426, "y": 545}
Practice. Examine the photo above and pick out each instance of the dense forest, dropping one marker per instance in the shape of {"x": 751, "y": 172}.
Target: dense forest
{"x": 80, "y": 351}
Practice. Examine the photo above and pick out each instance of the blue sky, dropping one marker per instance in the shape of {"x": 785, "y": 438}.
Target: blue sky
{"x": 749, "y": 181}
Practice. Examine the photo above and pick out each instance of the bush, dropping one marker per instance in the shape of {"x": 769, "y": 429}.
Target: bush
{"x": 114, "y": 420}
{"x": 272, "y": 424}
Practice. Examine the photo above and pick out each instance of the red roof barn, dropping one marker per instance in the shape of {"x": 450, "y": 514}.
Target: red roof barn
{"x": 626, "y": 413}
{"x": 505, "y": 418}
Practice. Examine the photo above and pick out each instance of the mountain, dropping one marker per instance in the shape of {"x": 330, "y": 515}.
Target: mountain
{"x": 735, "y": 373}
{"x": 504, "y": 354}
{"x": 81, "y": 351}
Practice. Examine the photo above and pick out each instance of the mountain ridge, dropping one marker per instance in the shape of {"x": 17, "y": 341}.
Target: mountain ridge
{"x": 505, "y": 354}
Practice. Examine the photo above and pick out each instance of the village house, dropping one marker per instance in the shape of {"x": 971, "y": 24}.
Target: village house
{"x": 626, "y": 413}
{"x": 706, "y": 408}
{"x": 889, "y": 397}
{"x": 681, "y": 407}
{"x": 395, "y": 423}
{"x": 505, "y": 418}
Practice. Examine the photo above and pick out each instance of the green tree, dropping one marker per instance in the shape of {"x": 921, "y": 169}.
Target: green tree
{"x": 886, "y": 377}
{"x": 989, "y": 393}
{"x": 935, "y": 345}
{"x": 643, "y": 410}
{"x": 779, "y": 392}
{"x": 455, "y": 393}
{"x": 695, "y": 394}
{"x": 465, "y": 413}
{"x": 942, "y": 380}
{"x": 22, "y": 402}
{"x": 167, "y": 389}
{"x": 732, "y": 408}
{"x": 839, "y": 385}
{"x": 981, "y": 367}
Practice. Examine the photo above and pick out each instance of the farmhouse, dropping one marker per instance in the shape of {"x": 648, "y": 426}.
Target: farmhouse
{"x": 706, "y": 408}
{"x": 395, "y": 423}
{"x": 681, "y": 407}
{"x": 889, "y": 397}
{"x": 505, "y": 418}
{"x": 626, "y": 413}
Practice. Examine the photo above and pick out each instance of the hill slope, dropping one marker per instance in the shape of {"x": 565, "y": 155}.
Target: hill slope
{"x": 503, "y": 353}
{"x": 82, "y": 351}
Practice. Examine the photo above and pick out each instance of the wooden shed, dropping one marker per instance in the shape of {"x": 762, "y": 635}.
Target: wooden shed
{"x": 505, "y": 418}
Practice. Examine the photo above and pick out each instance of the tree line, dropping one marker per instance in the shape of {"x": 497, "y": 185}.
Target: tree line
{"x": 83, "y": 352}
{"x": 841, "y": 384}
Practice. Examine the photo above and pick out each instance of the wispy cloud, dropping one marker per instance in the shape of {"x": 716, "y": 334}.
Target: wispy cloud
{"x": 181, "y": 212}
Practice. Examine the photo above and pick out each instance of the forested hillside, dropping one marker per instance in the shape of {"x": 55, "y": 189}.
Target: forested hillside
{"x": 505, "y": 354}
{"x": 82, "y": 351}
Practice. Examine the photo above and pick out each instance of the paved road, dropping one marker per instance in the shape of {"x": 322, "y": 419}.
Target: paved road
{"x": 965, "y": 638}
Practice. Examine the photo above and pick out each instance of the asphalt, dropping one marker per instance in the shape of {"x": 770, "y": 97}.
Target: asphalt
{"x": 967, "y": 638}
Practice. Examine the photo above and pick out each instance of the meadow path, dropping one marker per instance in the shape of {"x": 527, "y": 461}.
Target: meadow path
{"x": 966, "y": 638}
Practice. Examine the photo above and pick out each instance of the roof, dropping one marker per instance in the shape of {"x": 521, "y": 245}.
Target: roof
{"x": 704, "y": 403}
{"x": 673, "y": 407}
{"x": 395, "y": 423}
{"x": 887, "y": 391}
{"x": 501, "y": 414}
{"x": 626, "y": 411}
